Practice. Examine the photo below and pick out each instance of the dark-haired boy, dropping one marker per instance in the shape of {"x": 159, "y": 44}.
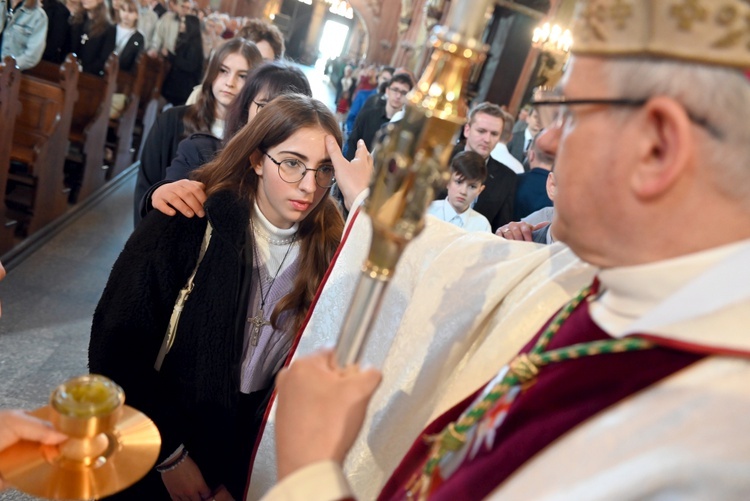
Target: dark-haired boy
{"x": 369, "y": 121}
{"x": 468, "y": 173}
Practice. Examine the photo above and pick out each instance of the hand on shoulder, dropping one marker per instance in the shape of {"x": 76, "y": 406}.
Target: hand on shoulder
{"x": 184, "y": 196}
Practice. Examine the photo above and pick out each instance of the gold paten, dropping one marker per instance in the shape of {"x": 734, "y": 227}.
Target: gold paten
{"x": 111, "y": 447}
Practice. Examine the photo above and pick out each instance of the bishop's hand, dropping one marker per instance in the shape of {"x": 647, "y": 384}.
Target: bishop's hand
{"x": 352, "y": 177}
{"x": 320, "y": 410}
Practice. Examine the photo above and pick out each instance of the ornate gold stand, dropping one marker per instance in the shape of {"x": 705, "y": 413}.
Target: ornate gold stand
{"x": 411, "y": 164}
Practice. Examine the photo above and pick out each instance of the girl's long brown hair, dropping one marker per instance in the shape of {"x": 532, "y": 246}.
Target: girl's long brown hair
{"x": 320, "y": 232}
{"x": 99, "y": 16}
{"x": 200, "y": 116}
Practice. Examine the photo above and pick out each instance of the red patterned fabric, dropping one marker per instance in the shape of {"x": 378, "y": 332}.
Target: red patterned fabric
{"x": 564, "y": 395}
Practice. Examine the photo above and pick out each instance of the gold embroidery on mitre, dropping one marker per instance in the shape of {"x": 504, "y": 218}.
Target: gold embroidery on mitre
{"x": 703, "y": 31}
{"x": 620, "y": 12}
{"x": 737, "y": 33}
{"x": 687, "y": 13}
{"x": 726, "y": 15}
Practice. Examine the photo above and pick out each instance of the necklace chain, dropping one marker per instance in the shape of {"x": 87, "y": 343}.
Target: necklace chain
{"x": 258, "y": 321}
{"x": 522, "y": 371}
{"x": 265, "y": 235}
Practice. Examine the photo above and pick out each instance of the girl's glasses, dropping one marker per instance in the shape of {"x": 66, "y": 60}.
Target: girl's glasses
{"x": 292, "y": 170}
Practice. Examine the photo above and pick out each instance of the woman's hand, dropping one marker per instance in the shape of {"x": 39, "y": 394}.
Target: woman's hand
{"x": 222, "y": 494}
{"x": 352, "y": 177}
{"x": 185, "y": 482}
{"x": 184, "y": 195}
{"x": 17, "y": 425}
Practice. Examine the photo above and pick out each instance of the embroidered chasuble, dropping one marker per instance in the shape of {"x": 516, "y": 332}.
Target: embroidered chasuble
{"x": 563, "y": 395}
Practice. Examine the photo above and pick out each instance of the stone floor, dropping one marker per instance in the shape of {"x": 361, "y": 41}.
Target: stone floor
{"x": 48, "y": 300}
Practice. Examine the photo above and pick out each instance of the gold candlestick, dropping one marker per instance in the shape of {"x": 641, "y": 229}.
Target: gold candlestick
{"x": 410, "y": 164}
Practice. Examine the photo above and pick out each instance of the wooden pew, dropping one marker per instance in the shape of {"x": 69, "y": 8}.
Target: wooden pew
{"x": 88, "y": 129}
{"x": 10, "y": 79}
{"x": 88, "y": 132}
{"x": 40, "y": 142}
{"x": 151, "y": 100}
{"x": 120, "y": 139}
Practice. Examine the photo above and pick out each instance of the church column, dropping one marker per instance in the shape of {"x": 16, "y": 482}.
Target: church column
{"x": 511, "y": 59}
{"x": 316, "y": 27}
{"x": 411, "y": 35}
{"x": 527, "y": 73}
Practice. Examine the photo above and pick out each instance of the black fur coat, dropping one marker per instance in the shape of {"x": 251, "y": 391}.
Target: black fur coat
{"x": 193, "y": 399}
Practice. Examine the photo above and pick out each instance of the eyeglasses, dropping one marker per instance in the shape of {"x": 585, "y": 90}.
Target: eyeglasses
{"x": 563, "y": 111}
{"x": 400, "y": 92}
{"x": 259, "y": 105}
{"x": 292, "y": 170}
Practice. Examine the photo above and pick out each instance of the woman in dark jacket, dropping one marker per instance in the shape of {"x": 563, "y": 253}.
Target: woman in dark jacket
{"x": 58, "y": 31}
{"x": 226, "y": 74}
{"x": 265, "y": 83}
{"x": 274, "y": 231}
{"x": 186, "y": 64}
{"x": 129, "y": 41}
{"x": 92, "y": 36}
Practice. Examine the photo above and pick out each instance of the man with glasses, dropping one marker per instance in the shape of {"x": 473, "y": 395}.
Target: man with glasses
{"x": 370, "y": 121}
{"x": 637, "y": 387}
{"x": 361, "y": 96}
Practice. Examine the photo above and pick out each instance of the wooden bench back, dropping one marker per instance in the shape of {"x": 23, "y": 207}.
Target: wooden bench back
{"x": 95, "y": 98}
{"x": 10, "y": 80}
{"x": 151, "y": 100}
{"x": 47, "y": 108}
{"x": 154, "y": 72}
{"x": 40, "y": 138}
{"x": 42, "y": 103}
{"x": 131, "y": 85}
{"x": 46, "y": 71}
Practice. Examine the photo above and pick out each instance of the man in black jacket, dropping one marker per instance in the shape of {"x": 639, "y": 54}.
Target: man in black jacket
{"x": 369, "y": 121}
{"x": 482, "y": 131}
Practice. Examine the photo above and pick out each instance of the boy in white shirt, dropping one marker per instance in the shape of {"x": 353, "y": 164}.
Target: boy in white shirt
{"x": 468, "y": 173}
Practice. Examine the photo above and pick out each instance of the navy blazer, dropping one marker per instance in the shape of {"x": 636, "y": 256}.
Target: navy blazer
{"x": 496, "y": 201}
{"x": 129, "y": 54}
{"x": 531, "y": 193}
{"x": 92, "y": 52}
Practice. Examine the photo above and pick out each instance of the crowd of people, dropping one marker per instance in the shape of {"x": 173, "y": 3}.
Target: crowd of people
{"x": 179, "y": 31}
{"x": 516, "y": 183}
{"x": 607, "y": 359}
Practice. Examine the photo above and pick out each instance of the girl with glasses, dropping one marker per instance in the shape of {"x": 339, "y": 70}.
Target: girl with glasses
{"x": 274, "y": 232}
{"x": 176, "y": 192}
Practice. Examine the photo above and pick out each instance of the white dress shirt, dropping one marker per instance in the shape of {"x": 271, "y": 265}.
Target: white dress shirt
{"x": 502, "y": 155}
{"x": 469, "y": 220}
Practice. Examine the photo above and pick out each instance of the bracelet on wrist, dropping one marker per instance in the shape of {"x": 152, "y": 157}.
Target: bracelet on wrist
{"x": 162, "y": 468}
